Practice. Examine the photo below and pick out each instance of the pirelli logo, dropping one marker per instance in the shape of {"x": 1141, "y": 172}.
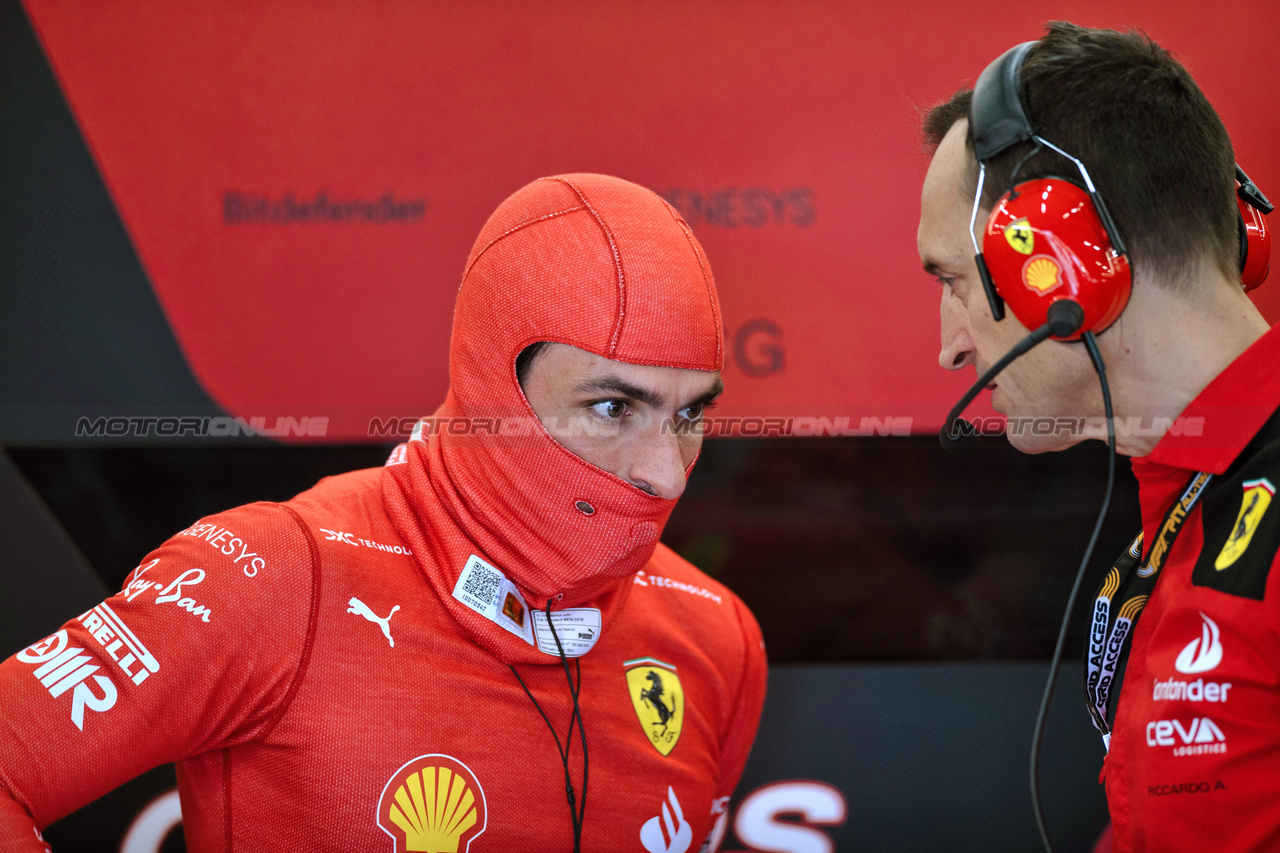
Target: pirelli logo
{"x": 120, "y": 644}
{"x": 61, "y": 667}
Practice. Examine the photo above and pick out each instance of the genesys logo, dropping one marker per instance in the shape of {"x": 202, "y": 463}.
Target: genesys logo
{"x": 1201, "y": 736}
{"x": 744, "y": 206}
{"x": 228, "y": 544}
{"x": 1203, "y": 653}
{"x": 62, "y": 667}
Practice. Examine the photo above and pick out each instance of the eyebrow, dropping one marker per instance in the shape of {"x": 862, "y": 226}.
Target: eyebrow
{"x": 703, "y": 399}
{"x": 623, "y": 388}
{"x": 947, "y": 266}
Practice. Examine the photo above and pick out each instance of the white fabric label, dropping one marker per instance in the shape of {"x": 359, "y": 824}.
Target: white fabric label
{"x": 487, "y": 591}
{"x": 578, "y": 629}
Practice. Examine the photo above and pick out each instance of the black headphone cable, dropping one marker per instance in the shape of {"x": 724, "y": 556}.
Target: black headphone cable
{"x": 577, "y": 810}
{"x": 1065, "y": 317}
{"x": 1091, "y": 345}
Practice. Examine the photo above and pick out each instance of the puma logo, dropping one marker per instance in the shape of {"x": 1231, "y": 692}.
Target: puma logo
{"x": 359, "y": 608}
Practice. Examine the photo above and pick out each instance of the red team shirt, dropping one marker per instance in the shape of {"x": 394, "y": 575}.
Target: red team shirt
{"x": 336, "y": 672}
{"x": 254, "y": 649}
{"x": 1195, "y": 753}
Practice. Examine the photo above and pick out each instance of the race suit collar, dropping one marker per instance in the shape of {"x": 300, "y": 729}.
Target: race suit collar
{"x": 536, "y": 537}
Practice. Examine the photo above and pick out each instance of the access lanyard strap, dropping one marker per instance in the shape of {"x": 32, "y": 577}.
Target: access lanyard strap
{"x": 1131, "y": 582}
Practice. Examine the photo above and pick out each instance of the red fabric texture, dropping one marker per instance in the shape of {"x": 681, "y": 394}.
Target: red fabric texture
{"x": 586, "y": 260}
{"x": 1225, "y": 801}
{"x": 310, "y": 654}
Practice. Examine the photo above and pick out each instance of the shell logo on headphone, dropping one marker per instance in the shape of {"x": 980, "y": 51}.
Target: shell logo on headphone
{"x": 1042, "y": 274}
{"x": 1049, "y": 237}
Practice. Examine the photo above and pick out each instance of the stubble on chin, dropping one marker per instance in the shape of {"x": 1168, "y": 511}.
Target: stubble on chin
{"x": 999, "y": 398}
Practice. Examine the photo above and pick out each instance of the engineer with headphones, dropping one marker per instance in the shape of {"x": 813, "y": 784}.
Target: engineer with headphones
{"x": 1086, "y": 192}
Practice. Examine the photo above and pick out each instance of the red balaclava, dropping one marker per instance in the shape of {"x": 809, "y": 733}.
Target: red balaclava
{"x": 595, "y": 262}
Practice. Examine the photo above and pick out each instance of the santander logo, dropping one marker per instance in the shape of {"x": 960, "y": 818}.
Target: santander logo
{"x": 1203, "y": 653}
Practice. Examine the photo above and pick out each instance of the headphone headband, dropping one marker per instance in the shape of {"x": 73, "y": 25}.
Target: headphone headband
{"x": 997, "y": 115}
{"x": 1250, "y": 193}
{"x": 998, "y": 120}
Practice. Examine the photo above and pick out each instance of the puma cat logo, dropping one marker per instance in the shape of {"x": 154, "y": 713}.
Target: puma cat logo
{"x": 359, "y": 608}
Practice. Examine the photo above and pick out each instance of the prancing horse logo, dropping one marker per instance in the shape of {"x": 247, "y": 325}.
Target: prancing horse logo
{"x": 359, "y": 608}
{"x": 659, "y": 701}
{"x": 653, "y": 696}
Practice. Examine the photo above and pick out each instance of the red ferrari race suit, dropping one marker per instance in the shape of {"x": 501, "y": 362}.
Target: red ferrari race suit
{"x": 348, "y": 670}
{"x": 1194, "y": 763}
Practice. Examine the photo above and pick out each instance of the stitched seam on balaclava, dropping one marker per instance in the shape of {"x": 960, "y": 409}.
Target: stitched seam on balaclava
{"x": 706, "y": 277}
{"x": 513, "y": 229}
{"x": 617, "y": 264}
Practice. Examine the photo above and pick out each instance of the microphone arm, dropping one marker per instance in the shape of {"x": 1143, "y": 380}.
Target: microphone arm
{"x": 1065, "y": 319}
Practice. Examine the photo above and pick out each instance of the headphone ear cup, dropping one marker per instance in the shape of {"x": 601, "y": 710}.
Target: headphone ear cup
{"x": 1255, "y": 246}
{"x": 1043, "y": 242}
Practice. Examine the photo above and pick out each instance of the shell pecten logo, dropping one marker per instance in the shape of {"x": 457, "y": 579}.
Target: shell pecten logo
{"x": 433, "y": 804}
{"x": 1042, "y": 274}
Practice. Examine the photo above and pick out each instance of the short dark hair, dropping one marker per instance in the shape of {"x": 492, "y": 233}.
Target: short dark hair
{"x": 1154, "y": 146}
{"x": 524, "y": 360}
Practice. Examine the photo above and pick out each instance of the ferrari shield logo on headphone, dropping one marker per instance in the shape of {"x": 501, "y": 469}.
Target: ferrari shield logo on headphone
{"x": 1020, "y": 236}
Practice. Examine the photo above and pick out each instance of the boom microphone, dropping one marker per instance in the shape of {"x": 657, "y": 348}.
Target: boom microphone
{"x": 1065, "y": 319}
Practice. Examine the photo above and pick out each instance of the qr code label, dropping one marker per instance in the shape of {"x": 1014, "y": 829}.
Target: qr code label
{"x": 486, "y": 590}
{"x": 478, "y": 585}
{"x": 482, "y": 585}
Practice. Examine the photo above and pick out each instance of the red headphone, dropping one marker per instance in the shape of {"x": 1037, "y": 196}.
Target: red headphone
{"x": 1052, "y": 238}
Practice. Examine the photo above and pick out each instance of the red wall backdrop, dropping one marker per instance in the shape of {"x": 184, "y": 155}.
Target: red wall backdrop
{"x": 786, "y": 132}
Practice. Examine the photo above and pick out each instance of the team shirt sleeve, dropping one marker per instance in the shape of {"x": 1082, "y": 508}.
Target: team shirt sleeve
{"x": 201, "y": 649}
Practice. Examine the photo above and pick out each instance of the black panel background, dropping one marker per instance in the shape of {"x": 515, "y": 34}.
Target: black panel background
{"x": 80, "y": 326}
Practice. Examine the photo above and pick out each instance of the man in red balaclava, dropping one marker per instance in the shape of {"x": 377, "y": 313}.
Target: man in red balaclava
{"x": 481, "y": 646}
